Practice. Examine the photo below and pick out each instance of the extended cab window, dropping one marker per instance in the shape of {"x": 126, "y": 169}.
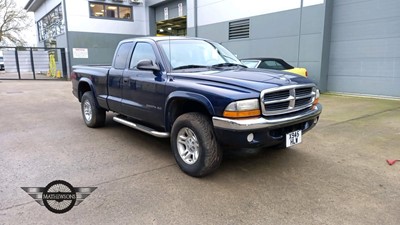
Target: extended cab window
{"x": 142, "y": 51}
{"x": 122, "y": 55}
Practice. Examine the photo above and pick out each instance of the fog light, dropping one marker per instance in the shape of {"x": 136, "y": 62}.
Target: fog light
{"x": 250, "y": 137}
{"x": 315, "y": 120}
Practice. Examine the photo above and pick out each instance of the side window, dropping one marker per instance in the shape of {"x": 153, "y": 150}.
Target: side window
{"x": 142, "y": 51}
{"x": 265, "y": 65}
{"x": 271, "y": 65}
{"x": 122, "y": 55}
{"x": 279, "y": 66}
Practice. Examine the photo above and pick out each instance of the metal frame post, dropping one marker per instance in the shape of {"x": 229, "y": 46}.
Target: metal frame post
{"x": 17, "y": 63}
{"x": 64, "y": 63}
{"x": 32, "y": 64}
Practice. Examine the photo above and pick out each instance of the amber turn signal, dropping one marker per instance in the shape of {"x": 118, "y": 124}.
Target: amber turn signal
{"x": 242, "y": 114}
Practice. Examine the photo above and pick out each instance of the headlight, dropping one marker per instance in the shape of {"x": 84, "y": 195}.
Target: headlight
{"x": 242, "y": 109}
{"x": 316, "y": 99}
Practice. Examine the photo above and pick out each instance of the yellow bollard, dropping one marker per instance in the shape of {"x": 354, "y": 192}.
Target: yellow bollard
{"x": 58, "y": 74}
{"x": 52, "y": 66}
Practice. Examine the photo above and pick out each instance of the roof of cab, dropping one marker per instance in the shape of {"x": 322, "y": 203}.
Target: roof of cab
{"x": 162, "y": 38}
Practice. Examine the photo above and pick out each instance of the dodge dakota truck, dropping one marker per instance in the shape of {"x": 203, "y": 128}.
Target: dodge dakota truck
{"x": 198, "y": 94}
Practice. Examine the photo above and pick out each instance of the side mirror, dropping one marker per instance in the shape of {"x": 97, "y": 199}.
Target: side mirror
{"x": 147, "y": 64}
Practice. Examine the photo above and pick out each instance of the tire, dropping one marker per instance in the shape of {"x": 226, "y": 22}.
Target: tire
{"x": 93, "y": 116}
{"x": 194, "y": 145}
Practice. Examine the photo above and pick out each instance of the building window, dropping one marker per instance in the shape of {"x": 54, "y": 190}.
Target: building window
{"x": 51, "y": 25}
{"x": 108, "y": 11}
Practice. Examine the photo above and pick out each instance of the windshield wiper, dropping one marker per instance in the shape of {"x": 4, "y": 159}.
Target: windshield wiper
{"x": 227, "y": 64}
{"x": 189, "y": 67}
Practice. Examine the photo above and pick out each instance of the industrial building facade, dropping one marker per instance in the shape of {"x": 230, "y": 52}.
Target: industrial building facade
{"x": 348, "y": 46}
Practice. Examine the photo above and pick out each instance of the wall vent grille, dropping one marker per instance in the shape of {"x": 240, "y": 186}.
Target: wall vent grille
{"x": 239, "y": 29}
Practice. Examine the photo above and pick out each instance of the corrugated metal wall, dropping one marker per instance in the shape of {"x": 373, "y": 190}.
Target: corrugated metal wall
{"x": 365, "y": 47}
{"x": 41, "y": 61}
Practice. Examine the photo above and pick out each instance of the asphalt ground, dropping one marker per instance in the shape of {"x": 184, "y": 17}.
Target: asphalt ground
{"x": 338, "y": 175}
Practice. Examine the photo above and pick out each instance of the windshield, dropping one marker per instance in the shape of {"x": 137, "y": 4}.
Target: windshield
{"x": 250, "y": 63}
{"x": 1, "y": 59}
{"x": 196, "y": 53}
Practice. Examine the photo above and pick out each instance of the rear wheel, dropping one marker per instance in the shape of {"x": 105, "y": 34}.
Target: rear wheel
{"x": 92, "y": 115}
{"x": 194, "y": 145}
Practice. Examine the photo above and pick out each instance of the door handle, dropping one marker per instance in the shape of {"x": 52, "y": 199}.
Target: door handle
{"x": 126, "y": 80}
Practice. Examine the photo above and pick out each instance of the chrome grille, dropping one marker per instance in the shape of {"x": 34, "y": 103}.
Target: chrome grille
{"x": 287, "y": 99}
{"x": 303, "y": 101}
{"x": 303, "y": 91}
{"x": 277, "y": 95}
{"x": 278, "y": 106}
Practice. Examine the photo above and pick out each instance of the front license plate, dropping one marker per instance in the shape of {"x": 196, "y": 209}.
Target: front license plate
{"x": 293, "y": 138}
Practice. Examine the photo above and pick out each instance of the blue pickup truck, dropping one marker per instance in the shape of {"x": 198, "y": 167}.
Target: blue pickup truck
{"x": 198, "y": 94}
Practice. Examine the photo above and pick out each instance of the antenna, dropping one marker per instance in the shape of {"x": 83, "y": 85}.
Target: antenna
{"x": 169, "y": 52}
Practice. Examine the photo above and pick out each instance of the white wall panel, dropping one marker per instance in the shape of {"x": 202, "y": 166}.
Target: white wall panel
{"x": 79, "y": 20}
{"x": 216, "y": 11}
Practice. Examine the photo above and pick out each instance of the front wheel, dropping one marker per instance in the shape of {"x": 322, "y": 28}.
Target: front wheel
{"x": 92, "y": 115}
{"x": 194, "y": 145}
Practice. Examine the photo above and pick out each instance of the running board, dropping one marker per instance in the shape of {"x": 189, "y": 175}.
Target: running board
{"x": 142, "y": 128}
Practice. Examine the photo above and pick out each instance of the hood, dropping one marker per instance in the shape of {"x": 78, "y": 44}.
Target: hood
{"x": 246, "y": 78}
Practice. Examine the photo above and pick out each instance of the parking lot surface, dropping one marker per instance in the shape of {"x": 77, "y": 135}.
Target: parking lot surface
{"x": 338, "y": 175}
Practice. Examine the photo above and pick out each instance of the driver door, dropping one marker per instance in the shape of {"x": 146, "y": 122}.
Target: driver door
{"x": 143, "y": 91}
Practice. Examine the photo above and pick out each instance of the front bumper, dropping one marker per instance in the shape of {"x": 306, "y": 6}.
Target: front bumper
{"x": 266, "y": 131}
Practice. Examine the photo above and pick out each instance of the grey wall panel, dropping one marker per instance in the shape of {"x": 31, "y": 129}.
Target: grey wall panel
{"x": 365, "y": 50}
{"x": 345, "y": 2}
{"x": 312, "y": 19}
{"x": 190, "y": 32}
{"x": 152, "y": 22}
{"x": 354, "y": 11}
{"x": 326, "y": 45}
{"x": 282, "y": 24}
{"x": 282, "y": 47}
{"x": 367, "y": 85}
{"x": 100, "y": 46}
{"x": 241, "y": 49}
{"x": 310, "y": 56}
{"x": 373, "y": 29}
{"x": 313, "y": 69}
{"x": 217, "y": 32}
{"x": 310, "y": 47}
{"x": 382, "y": 68}
{"x": 155, "y": 2}
{"x": 278, "y": 35}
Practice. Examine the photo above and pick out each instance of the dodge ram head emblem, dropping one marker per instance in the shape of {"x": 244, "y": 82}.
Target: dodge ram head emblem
{"x": 59, "y": 196}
